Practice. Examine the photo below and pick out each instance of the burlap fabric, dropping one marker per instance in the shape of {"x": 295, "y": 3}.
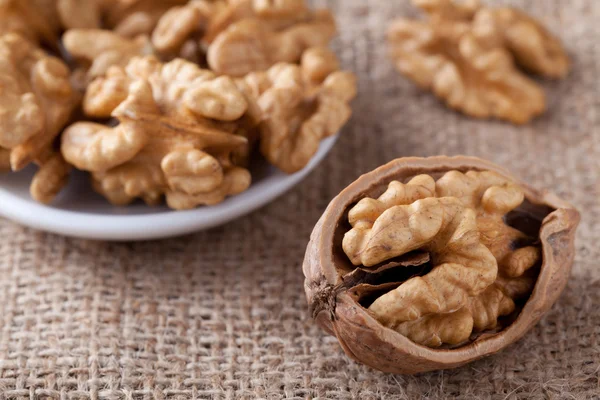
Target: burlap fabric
{"x": 221, "y": 314}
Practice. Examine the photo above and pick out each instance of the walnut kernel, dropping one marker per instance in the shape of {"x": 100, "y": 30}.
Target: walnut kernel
{"x": 466, "y": 55}
{"x": 263, "y": 45}
{"x": 301, "y": 105}
{"x": 428, "y": 264}
{"x": 36, "y": 103}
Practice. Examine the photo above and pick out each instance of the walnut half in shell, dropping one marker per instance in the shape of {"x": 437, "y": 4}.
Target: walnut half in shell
{"x": 431, "y": 263}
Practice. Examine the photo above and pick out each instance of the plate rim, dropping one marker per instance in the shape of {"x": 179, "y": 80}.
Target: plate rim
{"x": 142, "y": 227}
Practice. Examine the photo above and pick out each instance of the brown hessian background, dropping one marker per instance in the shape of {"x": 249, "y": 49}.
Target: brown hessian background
{"x": 221, "y": 314}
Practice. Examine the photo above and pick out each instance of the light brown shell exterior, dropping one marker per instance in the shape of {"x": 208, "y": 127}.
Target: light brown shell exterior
{"x": 363, "y": 338}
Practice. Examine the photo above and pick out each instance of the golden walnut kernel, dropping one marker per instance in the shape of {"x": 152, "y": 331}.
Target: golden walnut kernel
{"x": 428, "y": 264}
{"x": 35, "y": 20}
{"x": 184, "y": 24}
{"x": 300, "y": 105}
{"x": 278, "y": 15}
{"x": 124, "y": 17}
{"x": 199, "y": 22}
{"x": 77, "y": 14}
{"x": 458, "y": 220}
{"x": 50, "y": 179}
{"x": 133, "y": 18}
{"x": 36, "y": 103}
{"x": 252, "y": 45}
{"x": 466, "y": 55}
{"x": 533, "y": 47}
{"x": 169, "y": 140}
{"x": 98, "y": 49}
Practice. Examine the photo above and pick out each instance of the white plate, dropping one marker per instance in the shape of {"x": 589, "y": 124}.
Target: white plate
{"x": 79, "y": 212}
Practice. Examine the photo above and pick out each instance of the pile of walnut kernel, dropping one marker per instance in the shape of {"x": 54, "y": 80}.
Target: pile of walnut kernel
{"x": 468, "y": 55}
{"x": 165, "y": 99}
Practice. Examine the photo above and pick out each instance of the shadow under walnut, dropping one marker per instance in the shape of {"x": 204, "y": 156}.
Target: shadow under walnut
{"x": 340, "y": 293}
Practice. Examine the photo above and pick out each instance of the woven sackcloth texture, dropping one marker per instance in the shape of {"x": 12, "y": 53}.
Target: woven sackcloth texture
{"x": 222, "y": 314}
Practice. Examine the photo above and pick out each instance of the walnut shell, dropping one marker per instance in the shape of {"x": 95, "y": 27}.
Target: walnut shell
{"x": 330, "y": 276}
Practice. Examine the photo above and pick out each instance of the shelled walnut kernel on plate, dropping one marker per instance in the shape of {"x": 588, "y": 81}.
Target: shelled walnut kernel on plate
{"x": 172, "y": 138}
{"x": 469, "y": 55}
{"x": 185, "y": 132}
{"x": 36, "y": 103}
{"x": 430, "y": 263}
